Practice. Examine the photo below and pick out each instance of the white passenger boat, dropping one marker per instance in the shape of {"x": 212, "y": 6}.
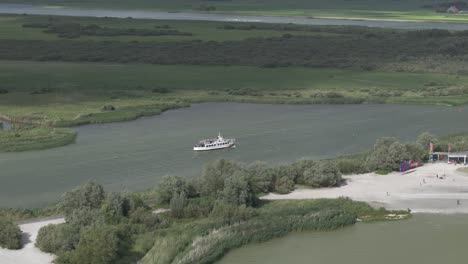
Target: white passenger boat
{"x": 215, "y": 143}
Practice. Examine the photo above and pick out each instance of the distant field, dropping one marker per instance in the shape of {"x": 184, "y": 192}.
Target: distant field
{"x": 11, "y": 27}
{"x": 371, "y": 9}
{"x": 75, "y": 93}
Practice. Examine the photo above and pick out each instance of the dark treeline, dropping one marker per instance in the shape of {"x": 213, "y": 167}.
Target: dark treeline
{"x": 366, "y": 51}
{"x": 75, "y": 30}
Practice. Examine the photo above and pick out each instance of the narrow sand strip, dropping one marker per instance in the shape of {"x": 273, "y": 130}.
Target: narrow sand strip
{"x": 29, "y": 254}
{"x": 420, "y": 190}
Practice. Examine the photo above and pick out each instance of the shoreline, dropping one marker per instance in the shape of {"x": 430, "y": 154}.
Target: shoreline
{"x": 243, "y": 13}
{"x": 433, "y": 188}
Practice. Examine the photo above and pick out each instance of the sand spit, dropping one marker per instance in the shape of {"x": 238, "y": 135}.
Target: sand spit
{"x": 433, "y": 188}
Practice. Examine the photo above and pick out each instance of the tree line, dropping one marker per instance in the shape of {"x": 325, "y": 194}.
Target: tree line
{"x": 368, "y": 51}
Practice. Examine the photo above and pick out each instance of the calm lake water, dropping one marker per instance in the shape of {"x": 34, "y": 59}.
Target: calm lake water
{"x": 69, "y": 11}
{"x": 134, "y": 155}
{"x": 428, "y": 239}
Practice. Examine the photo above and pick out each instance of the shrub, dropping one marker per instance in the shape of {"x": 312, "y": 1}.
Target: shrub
{"x": 57, "y": 239}
{"x": 178, "y": 203}
{"x": 352, "y": 166}
{"x": 98, "y": 245}
{"x": 283, "y": 178}
{"x": 10, "y": 234}
{"x": 3, "y": 91}
{"x": 87, "y": 196}
{"x": 170, "y": 185}
{"x": 238, "y": 190}
{"x": 324, "y": 174}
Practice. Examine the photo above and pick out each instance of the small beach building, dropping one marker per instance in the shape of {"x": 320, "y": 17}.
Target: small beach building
{"x": 453, "y": 10}
{"x": 455, "y": 156}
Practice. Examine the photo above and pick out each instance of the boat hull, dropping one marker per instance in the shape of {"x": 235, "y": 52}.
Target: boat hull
{"x": 213, "y": 148}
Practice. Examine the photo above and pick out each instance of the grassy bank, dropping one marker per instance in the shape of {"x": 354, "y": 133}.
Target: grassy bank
{"x": 64, "y": 94}
{"x": 35, "y": 138}
{"x": 396, "y": 10}
{"x": 208, "y": 239}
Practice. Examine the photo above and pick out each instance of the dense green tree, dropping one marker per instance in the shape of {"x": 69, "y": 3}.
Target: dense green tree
{"x": 90, "y": 195}
{"x": 323, "y": 174}
{"x": 85, "y": 217}
{"x": 238, "y": 191}
{"x": 99, "y": 244}
{"x": 168, "y": 185}
{"x": 10, "y": 234}
{"x": 300, "y": 167}
{"x": 178, "y": 203}
{"x": 58, "y": 239}
{"x": 260, "y": 177}
{"x": 424, "y": 140}
{"x": 115, "y": 207}
{"x": 283, "y": 177}
{"x": 214, "y": 174}
{"x": 387, "y": 154}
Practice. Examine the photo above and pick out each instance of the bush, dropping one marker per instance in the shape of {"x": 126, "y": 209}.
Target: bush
{"x": 3, "y": 91}
{"x": 98, "y": 245}
{"x": 58, "y": 239}
{"x": 10, "y": 234}
{"x": 283, "y": 178}
{"x": 352, "y": 166}
{"x": 178, "y": 203}
{"x": 170, "y": 185}
{"x": 324, "y": 174}
{"x": 87, "y": 196}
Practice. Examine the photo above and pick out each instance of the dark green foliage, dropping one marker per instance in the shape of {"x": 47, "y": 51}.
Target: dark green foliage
{"x": 162, "y": 90}
{"x": 214, "y": 175}
{"x": 323, "y": 174}
{"x": 84, "y": 217}
{"x": 229, "y": 228}
{"x": 347, "y": 50}
{"x": 10, "y": 234}
{"x": 58, "y": 239}
{"x": 115, "y": 207}
{"x": 283, "y": 177}
{"x": 178, "y": 203}
{"x": 238, "y": 190}
{"x": 352, "y": 166}
{"x": 199, "y": 207}
{"x": 170, "y": 185}
{"x": 300, "y": 167}
{"x": 98, "y": 245}
{"x": 387, "y": 154}
{"x": 260, "y": 177}
{"x": 87, "y": 196}
{"x": 75, "y": 30}
{"x": 100, "y": 227}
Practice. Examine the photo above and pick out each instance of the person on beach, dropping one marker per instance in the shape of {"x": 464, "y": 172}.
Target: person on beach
{"x": 458, "y": 202}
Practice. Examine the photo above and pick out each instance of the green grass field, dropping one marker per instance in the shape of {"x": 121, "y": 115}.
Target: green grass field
{"x": 74, "y": 93}
{"x": 11, "y": 27}
{"x": 368, "y": 9}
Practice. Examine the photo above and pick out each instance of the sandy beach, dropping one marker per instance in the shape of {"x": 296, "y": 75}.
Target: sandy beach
{"x": 29, "y": 254}
{"x": 419, "y": 190}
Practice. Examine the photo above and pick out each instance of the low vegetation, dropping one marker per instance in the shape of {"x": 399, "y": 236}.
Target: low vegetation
{"x": 35, "y": 138}
{"x": 100, "y": 227}
{"x": 10, "y": 234}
